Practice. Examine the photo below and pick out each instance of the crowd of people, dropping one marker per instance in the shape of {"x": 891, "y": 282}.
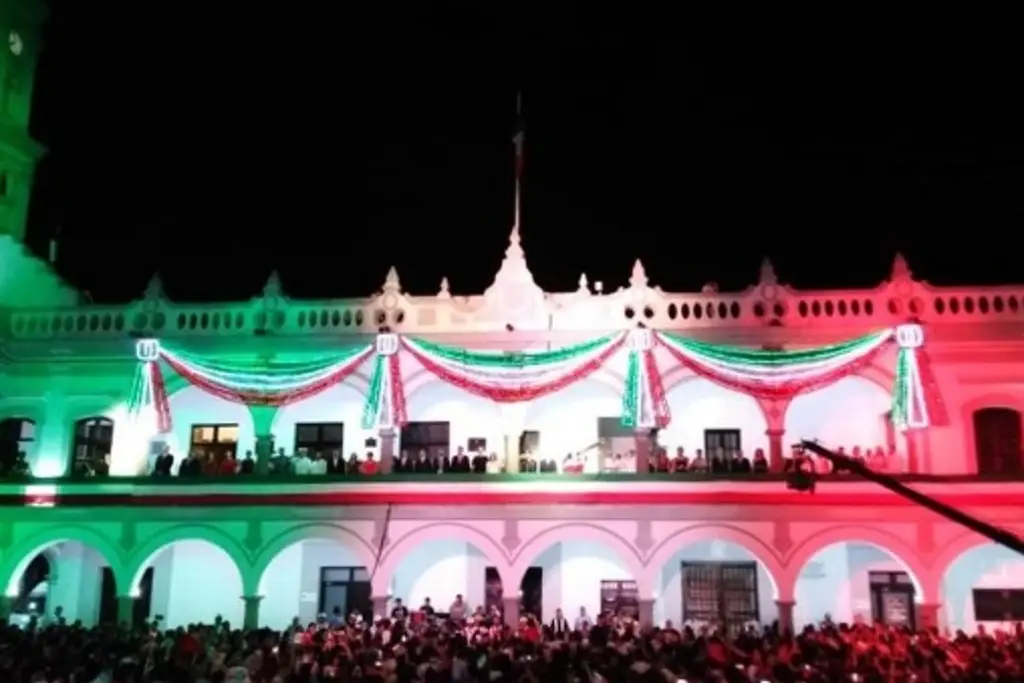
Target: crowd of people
{"x": 199, "y": 463}
{"x": 414, "y": 647}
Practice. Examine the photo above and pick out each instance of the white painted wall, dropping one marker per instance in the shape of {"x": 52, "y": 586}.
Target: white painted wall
{"x": 469, "y": 416}
{"x": 835, "y": 582}
{"x": 584, "y": 564}
{"x": 341, "y": 403}
{"x": 848, "y": 413}
{"x": 567, "y": 420}
{"x": 76, "y": 582}
{"x": 669, "y": 603}
{"x": 988, "y": 566}
{"x": 699, "y": 404}
{"x": 440, "y": 570}
{"x": 198, "y": 582}
{"x": 192, "y": 406}
{"x": 290, "y": 586}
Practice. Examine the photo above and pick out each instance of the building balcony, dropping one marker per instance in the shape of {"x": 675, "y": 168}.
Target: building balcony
{"x": 444, "y": 490}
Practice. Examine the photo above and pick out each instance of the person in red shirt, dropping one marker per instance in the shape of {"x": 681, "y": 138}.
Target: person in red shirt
{"x": 368, "y": 466}
{"x": 229, "y": 465}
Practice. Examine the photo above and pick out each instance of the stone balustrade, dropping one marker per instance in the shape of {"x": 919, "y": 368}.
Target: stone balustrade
{"x": 526, "y": 308}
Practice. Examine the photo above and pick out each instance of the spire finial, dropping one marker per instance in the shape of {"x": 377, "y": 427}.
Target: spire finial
{"x": 391, "y": 282}
{"x": 639, "y": 278}
{"x": 155, "y": 288}
{"x": 273, "y": 286}
{"x": 900, "y": 269}
{"x": 768, "y": 276}
{"x": 445, "y": 291}
{"x": 584, "y": 284}
{"x": 515, "y": 247}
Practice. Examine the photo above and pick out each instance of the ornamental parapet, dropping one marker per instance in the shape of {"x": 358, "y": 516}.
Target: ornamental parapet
{"x": 511, "y": 305}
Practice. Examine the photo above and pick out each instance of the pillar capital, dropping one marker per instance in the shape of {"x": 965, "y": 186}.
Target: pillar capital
{"x": 253, "y": 598}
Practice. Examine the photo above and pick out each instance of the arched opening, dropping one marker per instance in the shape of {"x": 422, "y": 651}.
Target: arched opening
{"x": 208, "y": 425}
{"x": 311, "y": 577}
{"x": 715, "y": 421}
{"x": 190, "y": 581}
{"x": 851, "y": 582}
{"x": 445, "y": 574}
{"x": 997, "y": 441}
{"x": 581, "y": 421}
{"x": 17, "y": 440}
{"x": 324, "y": 423}
{"x": 91, "y": 446}
{"x": 984, "y": 586}
{"x": 443, "y": 419}
{"x": 714, "y": 583}
{"x": 581, "y": 569}
{"x": 65, "y": 579}
{"x": 852, "y": 414}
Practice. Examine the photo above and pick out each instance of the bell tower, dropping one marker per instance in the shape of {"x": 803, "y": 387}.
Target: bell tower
{"x": 25, "y": 280}
{"x": 20, "y": 26}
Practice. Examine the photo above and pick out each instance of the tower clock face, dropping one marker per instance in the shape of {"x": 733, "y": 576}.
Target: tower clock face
{"x": 15, "y": 42}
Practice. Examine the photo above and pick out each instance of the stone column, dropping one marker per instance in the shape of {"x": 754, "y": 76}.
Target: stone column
{"x": 511, "y": 454}
{"x": 251, "y": 616}
{"x": 126, "y": 611}
{"x": 380, "y": 605}
{"x": 262, "y": 423}
{"x": 510, "y": 610}
{"x": 642, "y": 444}
{"x": 775, "y": 449}
{"x": 785, "y": 615}
{"x": 264, "y": 452}
{"x": 6, "y": 605}
{"x": 646, "y": 614}
{"x": 387, "y": 449}
{"x": 928, "y": 615}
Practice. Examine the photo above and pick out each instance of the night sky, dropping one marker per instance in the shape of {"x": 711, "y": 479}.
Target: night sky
{"x": 215, "y": 146}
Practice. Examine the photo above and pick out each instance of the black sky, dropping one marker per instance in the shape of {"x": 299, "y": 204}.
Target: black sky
{"x": 331, "y": 143}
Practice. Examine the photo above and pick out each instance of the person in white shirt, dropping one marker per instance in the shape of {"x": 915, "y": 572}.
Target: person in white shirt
{"x": 301, "y": 464}
{"x": 583, "y": 622}
{"x": 317, "y": 465}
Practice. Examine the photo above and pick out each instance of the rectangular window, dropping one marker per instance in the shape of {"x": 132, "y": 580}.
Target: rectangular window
{"x": 723, "y": 443}
{"x": 621, "y": 598}
{"x": 320, "y": 438}
{"x": 432, "y": 437}
{"x": 998, "y": 604}
{"x": 723, "y": 593}
{"x": 215, "y": 441}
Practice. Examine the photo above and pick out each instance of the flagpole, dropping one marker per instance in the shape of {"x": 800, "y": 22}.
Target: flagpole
{"x": 519, "y": 160}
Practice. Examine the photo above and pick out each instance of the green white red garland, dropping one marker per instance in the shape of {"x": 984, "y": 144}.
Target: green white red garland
{"x": 514, "y": 377}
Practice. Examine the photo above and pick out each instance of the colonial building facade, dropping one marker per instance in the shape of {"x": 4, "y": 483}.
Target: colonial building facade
{"x": 604, "y": 391}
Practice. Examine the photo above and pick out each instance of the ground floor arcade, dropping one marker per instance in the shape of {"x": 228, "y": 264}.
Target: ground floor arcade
{"x": 677, "y": 572}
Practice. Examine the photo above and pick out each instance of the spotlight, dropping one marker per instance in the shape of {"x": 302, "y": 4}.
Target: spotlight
{"x": 509, "y": 328}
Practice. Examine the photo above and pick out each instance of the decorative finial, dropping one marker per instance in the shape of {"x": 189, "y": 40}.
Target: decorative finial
{"x": 391, "y": 282}
{"x": 639, "y": 278}
{"x": 273, "y": 287}
{"x": 444, "y": 292}
{"x": 515, "y": 248}
{"x": 155, "y": 288}
{"x": 768, "y": 273}
{"x": 900, "y": 269}
{"x": 584, "y": 285}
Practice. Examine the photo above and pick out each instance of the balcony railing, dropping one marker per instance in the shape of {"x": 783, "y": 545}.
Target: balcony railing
{"x": 767, "y": 302}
